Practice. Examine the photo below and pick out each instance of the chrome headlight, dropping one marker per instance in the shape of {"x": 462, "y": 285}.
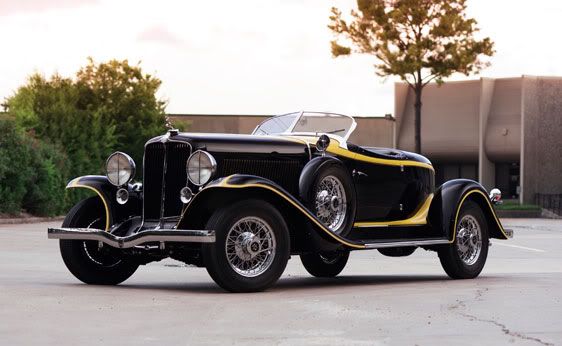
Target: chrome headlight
{"x": 201, "y": 166}
{"x": 120, "y": 168}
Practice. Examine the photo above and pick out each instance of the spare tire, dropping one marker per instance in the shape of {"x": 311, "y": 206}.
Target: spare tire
{"x": 330, "y": 195}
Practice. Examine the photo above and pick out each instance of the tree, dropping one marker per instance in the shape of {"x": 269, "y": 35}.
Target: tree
{"x": 126, "y": 97}
{"x": 49, "y": 109}
{"x": 108, "y": 106}
{"x": 417, "y": 40}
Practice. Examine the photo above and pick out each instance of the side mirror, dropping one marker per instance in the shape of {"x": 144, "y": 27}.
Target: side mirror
{"x": 496, "y": 196}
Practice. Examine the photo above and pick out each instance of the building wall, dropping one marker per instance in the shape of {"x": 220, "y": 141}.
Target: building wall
{"x": 502, "y": 136}
{"x": 542, "y": 137}
{"x": 511, "y": 128}
{"x": 450, "y": 121}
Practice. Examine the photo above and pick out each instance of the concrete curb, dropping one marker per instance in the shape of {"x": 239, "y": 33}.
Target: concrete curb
{"x": 23, "y": 220}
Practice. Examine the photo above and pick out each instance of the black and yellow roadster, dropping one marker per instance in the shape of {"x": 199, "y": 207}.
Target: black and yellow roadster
{"x": 241, "y": 205}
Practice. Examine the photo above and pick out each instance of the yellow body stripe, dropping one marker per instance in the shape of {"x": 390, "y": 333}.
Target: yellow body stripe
{"x": 489, "y": 204}
{"x": 336, "y": 149}
{"x": 419, "y": 218}
{"x": 75, "y": 183}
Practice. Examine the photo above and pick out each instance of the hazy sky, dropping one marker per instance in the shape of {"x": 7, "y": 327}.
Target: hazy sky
{"x": 248, "y": 56}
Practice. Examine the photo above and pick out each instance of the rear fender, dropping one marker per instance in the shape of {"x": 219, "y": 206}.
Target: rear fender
{"x": 448, "y": 200}
{"x": 106, "y": 191}
{"x": 307, "y": 232}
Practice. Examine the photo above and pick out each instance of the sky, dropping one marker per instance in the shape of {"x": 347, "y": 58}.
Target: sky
{"x": 247, "y": 56}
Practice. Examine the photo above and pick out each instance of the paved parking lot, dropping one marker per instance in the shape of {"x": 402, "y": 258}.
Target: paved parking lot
{"x": 376, "y": 301}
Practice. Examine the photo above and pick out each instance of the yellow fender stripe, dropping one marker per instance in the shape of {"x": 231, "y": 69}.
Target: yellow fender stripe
{"x": 224, "y": 184}
{"x": 491, "y": 208}
{"x": 76, "y": 183}
{"x": 418, "y": 219}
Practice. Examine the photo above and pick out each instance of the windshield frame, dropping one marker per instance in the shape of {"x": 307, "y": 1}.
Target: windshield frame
{"x": 289, "y": 131}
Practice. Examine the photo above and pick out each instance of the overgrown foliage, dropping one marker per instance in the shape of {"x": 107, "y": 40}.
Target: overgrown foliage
{"x": 417, "y": 40}
{"x": 107, "y": 107}
{"x": 32, "y": 173}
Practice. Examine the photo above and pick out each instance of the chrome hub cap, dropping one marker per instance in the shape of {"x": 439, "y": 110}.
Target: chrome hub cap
{"x": 250, "y": 246}
{"x": 331, "y": 203}
{"x": 469, "y": 239}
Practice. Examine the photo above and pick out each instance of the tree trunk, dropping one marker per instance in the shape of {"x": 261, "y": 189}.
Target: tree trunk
{"x": 417, "y": 118}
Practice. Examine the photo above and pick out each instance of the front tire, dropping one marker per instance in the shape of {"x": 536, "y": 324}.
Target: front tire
{"x": 84, "y": 259}
{"x": 325, "y": 265}
{"x": 251, "y": 248}
{"x": 466, "y": 256}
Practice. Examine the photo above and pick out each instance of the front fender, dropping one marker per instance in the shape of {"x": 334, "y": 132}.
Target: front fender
{"x": 106, "y": 192}
{"x": 448, "y": 200}
{"x": 228, "y": 190}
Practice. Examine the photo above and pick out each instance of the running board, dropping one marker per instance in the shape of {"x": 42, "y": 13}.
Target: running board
{"x": 400, "y": 243}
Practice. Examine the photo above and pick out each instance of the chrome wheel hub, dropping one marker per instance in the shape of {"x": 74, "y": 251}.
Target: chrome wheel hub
{"x": 331, "y": 203}
{"x": 250, "y": 246}
{"x": 469, "y": 239}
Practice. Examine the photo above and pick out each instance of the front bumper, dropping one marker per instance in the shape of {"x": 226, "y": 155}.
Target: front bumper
{"x": 161, "y": 236}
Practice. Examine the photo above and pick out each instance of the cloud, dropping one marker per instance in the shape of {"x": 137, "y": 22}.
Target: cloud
{"x": 9, "y": 7}
{"x": 159, "y": 34}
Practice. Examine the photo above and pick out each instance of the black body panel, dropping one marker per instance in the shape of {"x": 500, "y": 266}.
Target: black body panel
{"x": 389, "y": 192}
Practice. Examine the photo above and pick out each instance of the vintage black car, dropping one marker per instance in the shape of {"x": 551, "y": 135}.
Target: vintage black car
{"x": 241, "y": 205}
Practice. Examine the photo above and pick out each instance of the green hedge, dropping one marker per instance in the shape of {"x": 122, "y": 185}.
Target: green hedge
{"x": 32, "y": 173}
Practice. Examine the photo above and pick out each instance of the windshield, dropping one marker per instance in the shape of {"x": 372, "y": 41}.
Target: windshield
{"x": 307, "y": 123}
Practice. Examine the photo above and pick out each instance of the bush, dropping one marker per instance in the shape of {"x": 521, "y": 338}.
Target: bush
{"x": 32, "y": 173}
{"x": 67, "y": 127}
{"x": 46, "y": 192}
{"x": 15, "y": 168}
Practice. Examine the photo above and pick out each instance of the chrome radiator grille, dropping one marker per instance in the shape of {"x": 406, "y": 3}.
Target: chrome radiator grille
{"x": 161, "y": 193}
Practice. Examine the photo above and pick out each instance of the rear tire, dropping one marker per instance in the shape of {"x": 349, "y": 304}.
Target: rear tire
{"x": 84, "y": 259}
{"x": 466, "y": 256}
{"x": 252, "y": 246}
{"x": 325, "y": 265}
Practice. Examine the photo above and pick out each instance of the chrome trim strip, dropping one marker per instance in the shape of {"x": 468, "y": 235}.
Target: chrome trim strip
{"x": 163, "y": 187}
{"x": 406, "y": 243}
{"x": 165, "y": 139}
{"x": 162, "y": 235}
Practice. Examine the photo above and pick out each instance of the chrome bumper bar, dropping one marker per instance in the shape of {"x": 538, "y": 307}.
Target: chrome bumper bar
{"x": 143, "y": 237}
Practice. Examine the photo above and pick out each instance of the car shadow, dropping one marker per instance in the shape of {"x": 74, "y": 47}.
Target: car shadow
{"x": 297, "y": 283}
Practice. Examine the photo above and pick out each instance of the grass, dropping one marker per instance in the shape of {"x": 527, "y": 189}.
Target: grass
{"x": 514, "y": 205}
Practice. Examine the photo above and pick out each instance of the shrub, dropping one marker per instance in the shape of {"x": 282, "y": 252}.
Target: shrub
{"x": 46, "y": 191}
{"x": 15, "y": 168}
{"x": 32, "y": 173}
{"x": 67, "y": 127}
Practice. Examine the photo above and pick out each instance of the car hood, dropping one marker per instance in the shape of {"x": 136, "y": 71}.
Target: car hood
{"x": 214, "y": 142}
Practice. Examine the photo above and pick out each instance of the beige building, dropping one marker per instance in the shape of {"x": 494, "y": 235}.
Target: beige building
{"x": 504, "y": 132}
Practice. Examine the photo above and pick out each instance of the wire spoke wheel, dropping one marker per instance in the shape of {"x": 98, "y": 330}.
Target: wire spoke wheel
{"x": 250, "y": 246}
{"x": 469, "y": 239}
{"x": 331, "y": 202}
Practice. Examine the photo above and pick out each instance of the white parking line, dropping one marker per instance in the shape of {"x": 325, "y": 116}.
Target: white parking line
{"x": 520, "y": 247}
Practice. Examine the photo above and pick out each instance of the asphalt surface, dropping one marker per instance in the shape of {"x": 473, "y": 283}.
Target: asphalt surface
{"x": 377, "y": 300}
